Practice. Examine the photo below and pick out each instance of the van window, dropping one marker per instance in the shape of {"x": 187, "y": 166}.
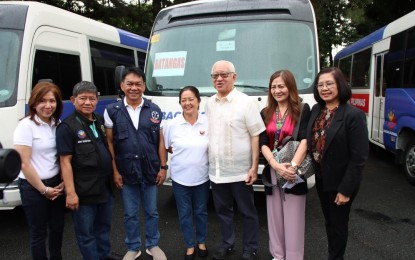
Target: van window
{"x": 105, "y": 58}
{"x": 63, "y": 69}
{"x": 9, "y": 63}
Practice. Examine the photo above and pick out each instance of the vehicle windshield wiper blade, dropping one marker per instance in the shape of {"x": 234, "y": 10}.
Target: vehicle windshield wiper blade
{"x": 251, "y": 86}
{"x": 162, "y": 88}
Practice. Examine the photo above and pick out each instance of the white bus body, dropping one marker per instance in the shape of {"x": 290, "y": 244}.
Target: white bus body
{"x": 258, "y": 37}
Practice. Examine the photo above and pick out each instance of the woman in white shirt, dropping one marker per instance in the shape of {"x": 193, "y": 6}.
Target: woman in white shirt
{"x": 40, "y": 184}
{"x": 186, "y": 138}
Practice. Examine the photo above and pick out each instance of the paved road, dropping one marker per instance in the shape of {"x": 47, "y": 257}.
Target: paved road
{"x": 382, "y": 222}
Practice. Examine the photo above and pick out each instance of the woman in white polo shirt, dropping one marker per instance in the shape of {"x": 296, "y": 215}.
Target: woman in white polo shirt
{"x": 40, "y": 184}
{"x": 186, "y": 138}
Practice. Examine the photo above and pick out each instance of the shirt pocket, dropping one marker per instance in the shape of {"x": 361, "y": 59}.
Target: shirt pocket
{"x": 86, "y": 156}
{"x": 122, "y": 131}
{"x": 154, "y": 133}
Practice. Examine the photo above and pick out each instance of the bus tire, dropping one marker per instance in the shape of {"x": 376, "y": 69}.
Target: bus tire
{"x": 409, "y": 162}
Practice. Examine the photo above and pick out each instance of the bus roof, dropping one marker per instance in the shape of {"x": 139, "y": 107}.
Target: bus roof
{"x": 59, "y": 18}
{"x": 361, "y": 44}
{"x": 229, "y": 10}
{"x": 405, "y": 22}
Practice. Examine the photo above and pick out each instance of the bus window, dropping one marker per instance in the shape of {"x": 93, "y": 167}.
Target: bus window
{"x": 64, "y": 69}
{"x": 380, "y": 82}
{"x": 394, "y": 60}
{"x": 409, "y": 73}
{"x": 141, "y": 56}
{"x": 360, "y": 71}
{"x": 9, "y": 63}
{"x": 105, "y": 58}
{"x": 282, "y": 45}
{"x": 345, "y": 65}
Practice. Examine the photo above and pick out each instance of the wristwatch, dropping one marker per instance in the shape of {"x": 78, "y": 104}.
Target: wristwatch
{"x": 294, "y": 165}
{"x": 165, "y": 167}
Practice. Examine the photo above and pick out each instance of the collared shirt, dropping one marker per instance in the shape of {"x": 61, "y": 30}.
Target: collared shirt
{"x": 189, "y": 161}
{"x": 233, "y": 120}
{"x": 134, "y": 114}
{"x": 41, "y": 138}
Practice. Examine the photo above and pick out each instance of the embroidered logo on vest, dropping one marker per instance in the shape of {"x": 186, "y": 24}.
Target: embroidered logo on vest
{"x": 81, "y": 134}
{"x": 155, "y": 117}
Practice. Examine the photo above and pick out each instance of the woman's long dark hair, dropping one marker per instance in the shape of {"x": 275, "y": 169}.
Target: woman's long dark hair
{"x": 294, "y": 102}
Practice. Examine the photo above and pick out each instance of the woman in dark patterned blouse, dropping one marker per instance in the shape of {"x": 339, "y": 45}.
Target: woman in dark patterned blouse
{"x": 337, "y": 137}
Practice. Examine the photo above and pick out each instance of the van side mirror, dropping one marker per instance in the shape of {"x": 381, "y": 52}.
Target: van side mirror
{"x": 119, "y": 70}
{"x": 10, "y": 165}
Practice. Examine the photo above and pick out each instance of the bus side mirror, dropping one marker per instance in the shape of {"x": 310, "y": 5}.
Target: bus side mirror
{"x": 119, "y": 70}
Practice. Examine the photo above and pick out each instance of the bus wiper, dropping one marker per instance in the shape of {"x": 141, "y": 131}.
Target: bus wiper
{"x": 251, "y": 86}
{"x": 162, "y": 88}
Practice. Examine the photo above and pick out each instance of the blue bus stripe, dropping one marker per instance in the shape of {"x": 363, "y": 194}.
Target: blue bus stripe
{"x": 134, "y": 40}
{"x": 361, "y": 44}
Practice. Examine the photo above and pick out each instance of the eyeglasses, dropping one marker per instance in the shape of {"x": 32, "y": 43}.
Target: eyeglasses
{"x": 327, "y": 84}
{"x": 223, "y": 75}
{"x": 130, "y": 84}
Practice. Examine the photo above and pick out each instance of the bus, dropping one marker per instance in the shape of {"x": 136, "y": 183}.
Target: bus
{"x": 381, "y": 72}
{"x": 258, "y": 37}
{"x": 38, "y": 42}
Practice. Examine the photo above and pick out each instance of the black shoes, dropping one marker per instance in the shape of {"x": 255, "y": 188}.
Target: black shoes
{"x": 189, "y": 257}
{"x": 248, "y": 255}
{"x": 222, "y": 252}
{"x": 202, "y": 252}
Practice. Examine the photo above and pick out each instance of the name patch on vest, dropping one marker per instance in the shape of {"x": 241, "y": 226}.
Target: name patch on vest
{"x": 83, "y": 141}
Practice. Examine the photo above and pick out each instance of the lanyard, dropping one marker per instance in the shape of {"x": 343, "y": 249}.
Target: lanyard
{"x": 94, "y": 129}
{"x": 279, "y": 122}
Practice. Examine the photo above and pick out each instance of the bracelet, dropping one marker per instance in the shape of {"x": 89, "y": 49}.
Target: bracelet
{"x": 46, "y": 191}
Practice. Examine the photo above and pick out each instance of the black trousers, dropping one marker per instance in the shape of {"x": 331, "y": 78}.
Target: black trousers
{"x": 224, "y": 195}
{"x": 336, "y": 221}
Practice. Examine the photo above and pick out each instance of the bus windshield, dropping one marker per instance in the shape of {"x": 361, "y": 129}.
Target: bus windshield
{"x": 10, "y": 43}
{"x": 179, "y": 55}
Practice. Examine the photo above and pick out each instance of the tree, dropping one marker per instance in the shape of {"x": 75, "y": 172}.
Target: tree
{"x": 381, "y": 12}
{"x": 134, "y": 17}
{"x": 335, "y": 25}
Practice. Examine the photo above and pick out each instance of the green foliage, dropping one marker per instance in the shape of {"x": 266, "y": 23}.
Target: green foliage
{"x": 341, "y": 22}
{"x": 133, "y": 16}
{"x": 334, "y": 27}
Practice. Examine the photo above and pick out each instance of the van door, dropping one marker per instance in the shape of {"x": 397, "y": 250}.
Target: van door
{"x": 378, "y": 113}
{"x": 57, "y": 55}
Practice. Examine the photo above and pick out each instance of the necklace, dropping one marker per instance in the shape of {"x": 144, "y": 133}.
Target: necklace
{"x": 279, "y": 122}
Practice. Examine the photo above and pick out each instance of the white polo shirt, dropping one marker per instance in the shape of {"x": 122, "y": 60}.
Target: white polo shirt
{"x": 233, "y": 120}
{"x": 134, "y": 114}
{"x": 189, "y": 161}
{"x": 42, "y": 139}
